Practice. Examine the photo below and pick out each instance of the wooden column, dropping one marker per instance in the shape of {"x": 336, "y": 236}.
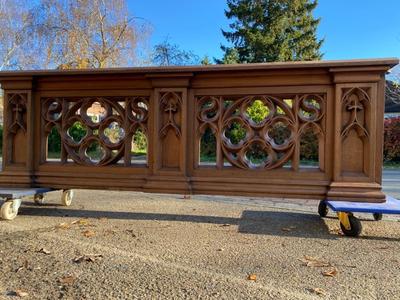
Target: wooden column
{"x": 170, "y": 132}
{"x": 358, "y": 134}
{"x": 18, "y": 132}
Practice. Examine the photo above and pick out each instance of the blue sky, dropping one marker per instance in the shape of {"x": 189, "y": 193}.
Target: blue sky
{"x": 351, "y": 28}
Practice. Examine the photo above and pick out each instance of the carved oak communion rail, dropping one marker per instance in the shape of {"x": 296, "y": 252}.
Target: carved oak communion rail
{"x": 255, "y": 118}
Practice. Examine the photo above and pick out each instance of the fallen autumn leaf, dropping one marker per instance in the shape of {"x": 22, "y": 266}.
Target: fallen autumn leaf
{"x": 44, "y": 251}
{"x": 330, "y": 273}
{"x": 88, "y": 258}
{"x": 252, "y": 277}
{"x": 319, "y": 291}
{"x": 88, "y": 233}
{"x": 310, "y": 261}
{"x": 21, "y": 293}
{"x": 64, "y": 226}
{"x": 68, "y": 280}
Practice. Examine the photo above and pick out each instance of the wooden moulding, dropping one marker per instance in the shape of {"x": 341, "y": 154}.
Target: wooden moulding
{"x": 340, "y": 102}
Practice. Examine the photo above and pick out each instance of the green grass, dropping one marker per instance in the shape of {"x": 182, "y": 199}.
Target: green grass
{"x": 54, "y": 155}
{"x": 139, "y": 152}
{"x": 304, "y": 162}
{"x": 391, "y": 165}
{"x": 207, "y": 158}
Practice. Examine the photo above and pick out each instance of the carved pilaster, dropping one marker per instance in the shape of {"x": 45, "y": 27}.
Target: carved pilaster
{"x": 170, "y": 137}
{"x": 356, "y": 155}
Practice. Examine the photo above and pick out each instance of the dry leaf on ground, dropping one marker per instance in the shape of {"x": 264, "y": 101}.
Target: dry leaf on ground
{"x": 88, "y": 258}
{"x": 319, "y": 291}
{"x": 88, "y": 233}
{"x": 252, "y": 277}
{"x": 132, "y": 232}
{"x": 68, "y": 280}
{"x": 24, "y": 266}
{"x": 21, "y": 293}
{"x": 64, "y": 226}
{"x": 44, "y": 251}
{"x": 310, "y": 261}
{"x": 109, "y": 231}
{"x": 81, "y": 222}
{"x": 330, "y": 273}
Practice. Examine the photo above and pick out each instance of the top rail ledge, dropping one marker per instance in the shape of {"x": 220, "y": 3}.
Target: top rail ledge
{"x": 384, "y": 62}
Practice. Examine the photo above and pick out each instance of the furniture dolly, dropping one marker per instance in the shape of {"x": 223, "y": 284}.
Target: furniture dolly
{"x": 13, "y": 199}
{"x": 349, "y": 224}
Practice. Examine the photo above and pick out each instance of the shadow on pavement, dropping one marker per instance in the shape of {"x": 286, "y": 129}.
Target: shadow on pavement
{"x": 276, "y": 223}
{"x": 284, "y": 223}
{"x": 280, "y": 223}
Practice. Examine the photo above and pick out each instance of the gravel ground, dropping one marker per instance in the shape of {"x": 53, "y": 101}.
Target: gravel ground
{"x": 124, "y": 245}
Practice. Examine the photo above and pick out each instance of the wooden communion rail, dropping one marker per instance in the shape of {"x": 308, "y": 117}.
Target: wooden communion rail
{"x": 340, "y": 102}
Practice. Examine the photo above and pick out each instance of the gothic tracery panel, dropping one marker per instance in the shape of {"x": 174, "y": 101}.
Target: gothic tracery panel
{"x": 95, "y": 130}
{"x": 259, "y": 131}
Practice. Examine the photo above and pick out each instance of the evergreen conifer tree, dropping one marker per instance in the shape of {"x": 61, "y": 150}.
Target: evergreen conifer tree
{"x": 271, "y": 30}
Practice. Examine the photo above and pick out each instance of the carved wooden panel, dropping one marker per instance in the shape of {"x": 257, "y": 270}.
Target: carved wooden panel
{"x": 16, "y": 127}
{"x": 170, "y": 132}
{"x": 269, "y": 136}
{"x": 171, "y": 106}
{"x": 356, "y": 104}
{"x": 106, "y": 122}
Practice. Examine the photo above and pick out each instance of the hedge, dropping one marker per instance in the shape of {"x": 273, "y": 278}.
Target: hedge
{"x": 391, "y": 146}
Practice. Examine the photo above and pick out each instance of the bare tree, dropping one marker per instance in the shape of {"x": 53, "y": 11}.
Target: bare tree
{"x": 167, "y": 54}
{"x": 88, "y": 33}
{"x": 16, "y": 44}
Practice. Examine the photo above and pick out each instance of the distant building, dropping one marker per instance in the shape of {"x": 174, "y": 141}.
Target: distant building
{"x": 97, "y": 112}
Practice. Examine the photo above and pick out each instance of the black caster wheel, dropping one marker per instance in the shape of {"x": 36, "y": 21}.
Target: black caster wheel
{"x": 377, "y": 216}
{"x": 38, "y": 199}
{"x": 355, "y": 227}
{"x": 322, "y": 209}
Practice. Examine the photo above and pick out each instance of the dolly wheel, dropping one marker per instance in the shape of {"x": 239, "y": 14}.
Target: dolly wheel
{"x": 38, "y": 199}
{"x": 354, "y": 226}
{"x": 377, "y": 216}
{"x": 323, "y": 209}
{"x": 66, "y": 197}
{"x": 9, "y": 210}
